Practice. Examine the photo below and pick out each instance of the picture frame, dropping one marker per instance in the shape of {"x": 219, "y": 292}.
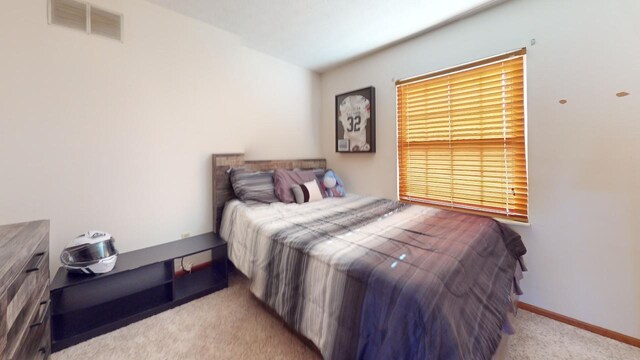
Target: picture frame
{"x": 356, "y": 121}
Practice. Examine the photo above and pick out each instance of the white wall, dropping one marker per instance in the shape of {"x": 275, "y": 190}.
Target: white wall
{"x": 98, "y": 134}
{"x": 584, "y": 157}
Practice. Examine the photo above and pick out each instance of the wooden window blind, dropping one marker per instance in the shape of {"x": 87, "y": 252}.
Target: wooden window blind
{"x": 461, "y": 138}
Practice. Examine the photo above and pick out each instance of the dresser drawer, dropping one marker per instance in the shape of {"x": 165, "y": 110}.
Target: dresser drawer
{"x": 25, "y": 297}
{"x": 3, "y": 326}
{"x": 35, "y": 341}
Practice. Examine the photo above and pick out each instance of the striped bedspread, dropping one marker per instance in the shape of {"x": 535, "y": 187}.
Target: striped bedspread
{"x": 369, "y": 278}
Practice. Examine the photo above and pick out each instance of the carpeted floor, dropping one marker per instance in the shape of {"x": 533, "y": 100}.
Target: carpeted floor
{"x": 232, "y": 324}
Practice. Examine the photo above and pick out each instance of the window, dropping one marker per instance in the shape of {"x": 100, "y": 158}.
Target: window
{"x": 461, "y": 138}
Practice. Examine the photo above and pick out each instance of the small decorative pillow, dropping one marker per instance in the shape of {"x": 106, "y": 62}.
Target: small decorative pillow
{"x": 307, "y": 192}
{"x": 256, "y": 186}
{"x": 284, "y": 180}
{"x": 332, "y": 185}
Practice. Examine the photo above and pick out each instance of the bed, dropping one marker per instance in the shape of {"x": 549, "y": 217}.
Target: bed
{"x": 370, "y": 278}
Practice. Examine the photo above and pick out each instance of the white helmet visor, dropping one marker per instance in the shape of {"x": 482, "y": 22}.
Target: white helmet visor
{"x": 87, "y": 254}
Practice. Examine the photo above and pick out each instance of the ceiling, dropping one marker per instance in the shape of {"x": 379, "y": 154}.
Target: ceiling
{"x": 320, "y": 34}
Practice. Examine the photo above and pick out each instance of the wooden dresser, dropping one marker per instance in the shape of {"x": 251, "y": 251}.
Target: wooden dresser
{"x": 24, "y": 291}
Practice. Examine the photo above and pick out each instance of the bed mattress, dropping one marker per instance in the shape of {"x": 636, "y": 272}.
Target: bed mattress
{"x": 370, "y": 278}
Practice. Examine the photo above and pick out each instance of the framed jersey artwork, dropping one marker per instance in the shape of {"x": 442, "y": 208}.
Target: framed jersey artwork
{"x": 356, "y": 121}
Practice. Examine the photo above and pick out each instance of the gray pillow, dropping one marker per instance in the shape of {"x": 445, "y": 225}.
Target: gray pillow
{"x": 256, "y": 186}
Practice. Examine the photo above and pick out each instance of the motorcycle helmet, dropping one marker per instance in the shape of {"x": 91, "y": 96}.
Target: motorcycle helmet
{"x": 91, "y": 253}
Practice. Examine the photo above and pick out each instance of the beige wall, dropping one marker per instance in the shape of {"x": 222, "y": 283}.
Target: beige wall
{"x": 584, "y": 157}
{"x": 98, "y": 134}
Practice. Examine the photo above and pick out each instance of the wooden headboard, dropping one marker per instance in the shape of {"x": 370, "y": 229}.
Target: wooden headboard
{"x": 222, "y": 163}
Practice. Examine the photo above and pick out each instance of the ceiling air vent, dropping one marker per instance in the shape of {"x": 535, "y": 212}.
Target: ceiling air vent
{"x": 85, "y": 17}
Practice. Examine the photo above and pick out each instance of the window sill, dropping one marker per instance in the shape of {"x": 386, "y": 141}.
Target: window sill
{"x": 513, "y": 222}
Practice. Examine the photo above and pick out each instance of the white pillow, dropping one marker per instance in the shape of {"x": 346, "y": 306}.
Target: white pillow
{"x": 307, "y": 192}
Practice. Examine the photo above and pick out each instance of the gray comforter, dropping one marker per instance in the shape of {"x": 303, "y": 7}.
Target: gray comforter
{"x": 368, "y": 278}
